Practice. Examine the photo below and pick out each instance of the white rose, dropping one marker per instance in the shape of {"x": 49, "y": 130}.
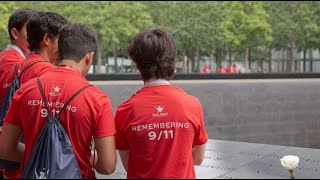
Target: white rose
{"x": 289, "y": 162}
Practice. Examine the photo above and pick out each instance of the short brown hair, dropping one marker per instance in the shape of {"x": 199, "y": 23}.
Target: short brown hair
{"x": 154, "y": 52}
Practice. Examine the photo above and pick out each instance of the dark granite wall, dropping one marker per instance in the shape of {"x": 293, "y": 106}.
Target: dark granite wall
{"x": 278, "y": 111}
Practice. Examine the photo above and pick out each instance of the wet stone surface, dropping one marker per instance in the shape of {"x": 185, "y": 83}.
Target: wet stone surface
{"x": 239, "y": 160}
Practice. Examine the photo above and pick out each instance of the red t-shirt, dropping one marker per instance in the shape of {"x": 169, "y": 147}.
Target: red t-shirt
{"x": 33, "y": 71}
{"x": 221, "y": 70}
{"x": 206, "y": 70}
{"x": 88, "y": 114}
{"x": 8, "y": 58}
{"x": 234, "y": 69}
{"x": 228, "y": 69}
{"x": 159, "y": 125}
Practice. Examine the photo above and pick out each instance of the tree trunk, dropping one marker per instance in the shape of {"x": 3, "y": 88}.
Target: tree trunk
{"x": 304, "y": 60}
{"x": 311, "y": 59}
{"x": 230, "y": 56}
{"x": 115, "y": 55}
{"x": 198, "y": 60}
{"x": 218, "y": 57}
{"x": 261, "y": 66}
{"x": 107, "y": 63}
{"x": 218, "y": 64}
{"x": 192, "y": 61}
{"x": 270, "y": 60}
{"x": 283, "y": 69}
{"x": 293, "y": 51}
{"x": 185, "y": 61}
{"x": 99, "y": 56}
{"x": 292, "y": 35}
{"x": 247, "y": 60}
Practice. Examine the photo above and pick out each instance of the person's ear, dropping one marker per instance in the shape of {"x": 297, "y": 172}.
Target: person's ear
{"x": 87, "y": 62}
{"x": 14, "y": 33}
{"x": 89, "y": 58}
{"x": 46, "y": 39}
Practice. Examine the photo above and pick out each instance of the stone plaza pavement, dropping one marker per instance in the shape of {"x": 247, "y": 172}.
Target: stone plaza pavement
{"x": 240, "y": 160}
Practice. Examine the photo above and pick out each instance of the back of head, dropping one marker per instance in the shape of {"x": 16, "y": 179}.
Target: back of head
{"x": 154, "y": 52}
{"x": 18, "y": 19}
{"x": 42, "y": 23}
{"x": 75, "y": 41}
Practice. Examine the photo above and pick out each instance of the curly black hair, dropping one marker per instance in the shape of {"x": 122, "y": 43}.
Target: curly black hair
{"x": 42, "y": 23}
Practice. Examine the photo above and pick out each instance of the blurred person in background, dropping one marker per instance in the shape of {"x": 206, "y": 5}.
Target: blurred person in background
{"x": 206, "y": 69}
{"x": 234, "y": 69}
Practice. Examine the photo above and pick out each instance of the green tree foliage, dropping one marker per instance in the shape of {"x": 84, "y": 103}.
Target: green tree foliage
{"x": 114, "y": 22}
{"x": 6, "y": 8}
{"x": 224, "y": 30}
{"x": 295, "y": 26}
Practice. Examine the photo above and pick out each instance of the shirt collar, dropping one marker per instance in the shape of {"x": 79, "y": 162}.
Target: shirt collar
{"x": 12, "y": 46}
{"x": 156, "y": 81}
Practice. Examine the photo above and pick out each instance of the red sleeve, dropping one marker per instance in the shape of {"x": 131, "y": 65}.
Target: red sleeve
{"x": 13, "y": 115}
{"x": 105, "y": 122}
{"x": 201, "y": 136}
{"x": 121, "y": 142}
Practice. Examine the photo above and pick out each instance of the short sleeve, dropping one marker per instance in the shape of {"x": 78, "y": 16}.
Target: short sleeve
{"x": 121, "y": 141}
{"x": 105, "y": 122}
{"x": 201, "y": 136}
{"x": 13, "y": 115}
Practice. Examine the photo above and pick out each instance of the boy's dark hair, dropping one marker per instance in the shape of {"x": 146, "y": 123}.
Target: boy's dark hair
{"x": 154, "y": 52}
{"x": 18, "y": 19}
{"x": 42, "y": 23}
{"x": 75, "y": 41}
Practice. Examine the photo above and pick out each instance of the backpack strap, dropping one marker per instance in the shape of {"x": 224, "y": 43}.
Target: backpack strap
{"x": 72, "y": 97}
{"x": 44, "y": 99}
{"x": 16, "y": 75}
{"x": 29, "y": 65}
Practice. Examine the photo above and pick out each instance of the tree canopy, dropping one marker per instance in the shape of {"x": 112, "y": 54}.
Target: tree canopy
{"x": 225, "y": 30}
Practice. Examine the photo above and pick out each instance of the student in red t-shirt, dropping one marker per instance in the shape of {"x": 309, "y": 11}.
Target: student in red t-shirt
{"x": 89, "y": 114}
{"x": 235, "y": 69}
{"x": 160, "y": 129}
{"x": 228, "y": 68}
{"x": 206, "y": 69}
{"x": 18, "y": 49}
{"x": 221, "y": 69}
{"x": 42, "y": 32}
